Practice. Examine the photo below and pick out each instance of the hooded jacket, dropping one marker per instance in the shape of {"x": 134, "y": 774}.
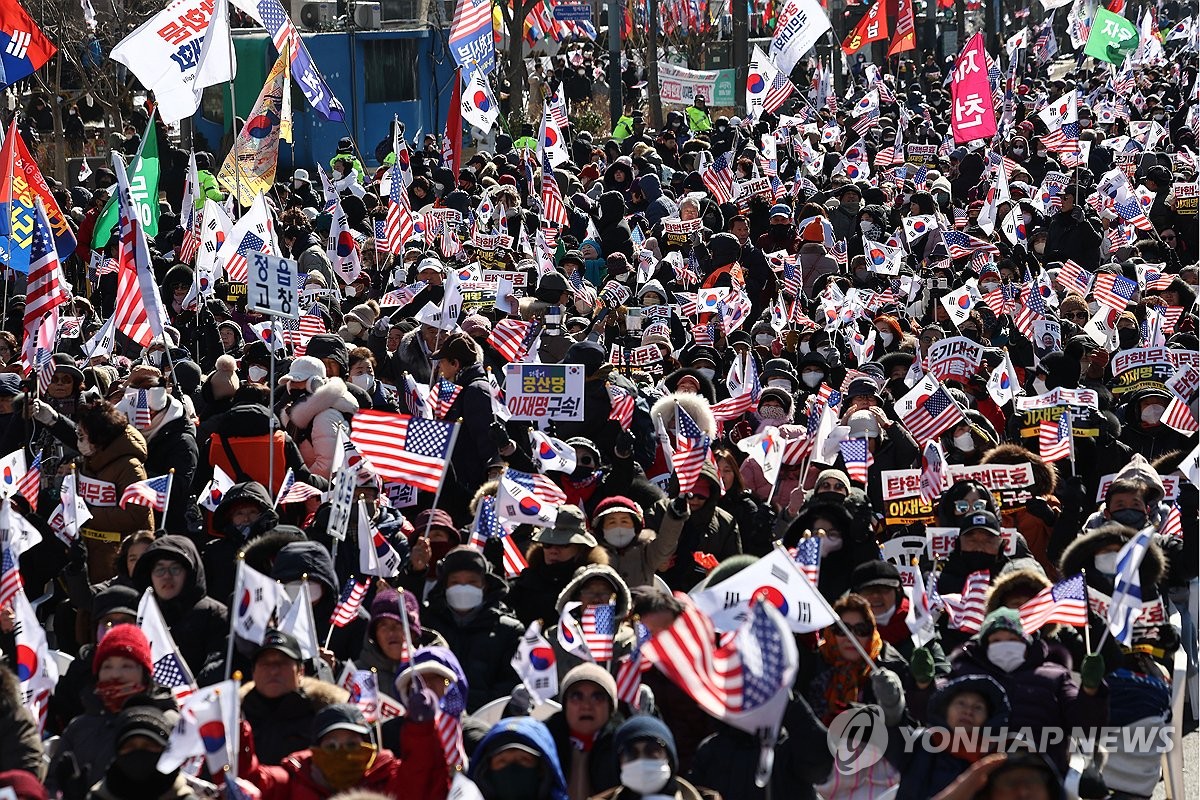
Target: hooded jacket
{"x": 650, "y": 551}
{"x": 624, "y": 637}
{"x": 20, "y": 744}
{"x": 221, "y": 552}
{"x": 198, "y": 623}
{"x": 853, "y": 518}
{"x": 474, "y": 448}
{"x": 245, "y": 428}
{"x": 530, "y": 733}
{"x": 534, "y": 593}
{"x": 485, "y": 638}
{"x": 317, "y": 418}
{"x": 658, "y": 206}
{"x": 120, "y": 463}
{"x": 610, "y": 222}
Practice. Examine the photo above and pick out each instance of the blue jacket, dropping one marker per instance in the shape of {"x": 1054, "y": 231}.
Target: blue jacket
{"x": 529, "y": 732}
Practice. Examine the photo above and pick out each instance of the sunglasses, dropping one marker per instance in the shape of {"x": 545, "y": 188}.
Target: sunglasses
{"x": 859, "y": 629}
{"x": 1076, "y": 315}
{"x": 965, "y": 507}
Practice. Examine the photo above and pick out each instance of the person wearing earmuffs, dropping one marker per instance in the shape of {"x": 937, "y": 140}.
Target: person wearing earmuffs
{"x": 317, "y": 406}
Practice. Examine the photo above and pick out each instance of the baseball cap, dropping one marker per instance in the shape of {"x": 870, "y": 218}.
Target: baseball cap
{"x": 339, "y": 717}
{"x": 979, "y": 520}
{"x": 283, "y": 642}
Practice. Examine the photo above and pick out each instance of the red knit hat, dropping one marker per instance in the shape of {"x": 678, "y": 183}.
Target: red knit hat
{"x": 127, "y": 641}
{"x": 619, "y": 503}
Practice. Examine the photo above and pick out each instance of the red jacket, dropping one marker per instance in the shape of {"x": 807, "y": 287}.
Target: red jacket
{"x": 422, "y": 772}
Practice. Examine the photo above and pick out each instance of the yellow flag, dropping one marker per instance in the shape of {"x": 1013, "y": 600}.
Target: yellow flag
{"x": 249, "y": 169}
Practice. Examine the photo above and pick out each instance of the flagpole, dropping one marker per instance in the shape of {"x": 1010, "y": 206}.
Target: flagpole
{"x": 1071, "y": 438}
{"x": 1087, "y": 626}
{"x": 442, "y": 481}
{"x": 836, "y": 618}
{"x": 237, "y": 167}
{"x": 237, "y": 582}
{"x": 271, "y": 406}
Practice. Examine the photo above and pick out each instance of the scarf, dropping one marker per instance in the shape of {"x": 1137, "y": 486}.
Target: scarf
{"x": 846, "y": 678}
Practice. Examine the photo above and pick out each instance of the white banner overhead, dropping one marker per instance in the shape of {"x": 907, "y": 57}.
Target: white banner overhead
{"x": 801, "y": 23}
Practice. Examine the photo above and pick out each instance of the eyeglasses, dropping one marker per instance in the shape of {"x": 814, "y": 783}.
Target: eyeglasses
{"x": 63, "y": 378}
{"x": 1075, "y": 315}
{"x": 967, "y": 506}
{"x": 860, "y": 629}
{"x": 163, "y": 570}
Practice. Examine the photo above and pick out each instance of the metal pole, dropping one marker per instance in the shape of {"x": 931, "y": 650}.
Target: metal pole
{"x": 656, "y": 110}
{"x": 615, "y": 20}
{"x": 741, "y": 49}
{"x": 271, "y": 430}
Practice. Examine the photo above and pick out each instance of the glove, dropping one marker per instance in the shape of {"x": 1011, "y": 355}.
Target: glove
{"x": 624, "y": 445}
{"x": 520, "y": 702}
{"x": 43, "y": 413}
{"x": 1041, "y": 509}
{"x": 679, "y": 505}
{"x": 1071, "y": 494}
{"x": 920, "y": 666}
{"x": 889, "y": 694}
{"x": 498, "y": 434}
{"x": 1091, "y": 671}
{"x": 421, "y": 702}
{"x": 741, "y": 431}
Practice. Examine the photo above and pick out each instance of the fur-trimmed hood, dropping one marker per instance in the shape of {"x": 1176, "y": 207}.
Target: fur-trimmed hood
{"x": 1079, "y": 555}
{"x": 333, "y": 395}
{"x": 1023, "y": 582}
{"x": 319, "y": 692}
{"x": 696, "y": 406}
{"x": 585, "y": 574}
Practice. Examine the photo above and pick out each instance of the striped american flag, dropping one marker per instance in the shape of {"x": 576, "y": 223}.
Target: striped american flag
{"x": 932, "y": 416}
{"x": 1114, "y": 291}
{"x": 808, "y": 557}
{"x": 349, "y": 602}
{"x": 398, "y": 225}
{"x": 964, "y": 245}
{"x": 1178, "y": 416}
{"x": 631, "y": 666}
{"x": 10, "y": 577}
{"x": 1131, "y": 211}
{"x": 553, "y": 210}
{"x": 30, "y": 483}
{"x": 691, "y": 450}
{"x": 781, "y": 89}
{"x": 403, "y": 449}
{"x": 511, "y": 338}
{"x": 151, "y": 492}
{"x": 965, "y": 611}
{"x": 857, "y": 457}
{"x": 238, "y": 267}
{"x": 1074, "y": 278}
{"x": 599, "y": 627}
{"x": 1054, "y": 438}
{"x": 1065, "y": 603}
{"x": 622, "y": 404}
{"x": 718, "y": 178}
{"x": 1172, "y": 525}
{"x": 443, "y": 397}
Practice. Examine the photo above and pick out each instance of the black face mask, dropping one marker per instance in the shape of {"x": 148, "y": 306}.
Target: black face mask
{"x": 1128, "y": 338}
{"x": 1130, "y": 517}
{"x": 973, "y": 562}
{"x": 296, "y": 394}
{"x": 781, "y": 232}
{"x": 135, "y": 774}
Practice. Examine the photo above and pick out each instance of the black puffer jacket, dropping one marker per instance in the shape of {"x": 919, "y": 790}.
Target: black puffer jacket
{"x": 198, "y": 623}
{"x": 614, "y": 230}
{"x": 709, "y": 529}
{"x": 484, "y": 639}
{"x": 221, "y": 553}
{"x": 283, "y": 725}
{"x": 853, "y": 518}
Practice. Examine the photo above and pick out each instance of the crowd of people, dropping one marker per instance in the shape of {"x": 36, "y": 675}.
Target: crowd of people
{"x": 796, "y": 333}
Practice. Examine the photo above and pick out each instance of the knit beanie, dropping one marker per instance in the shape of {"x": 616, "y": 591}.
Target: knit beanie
{"x": 224, "y": 380}
{"x": 126, "y": 641}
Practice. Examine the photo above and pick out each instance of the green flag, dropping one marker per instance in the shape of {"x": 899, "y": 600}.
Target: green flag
{"x": 143, "y": 187}
{"x": 1112, "y": 38}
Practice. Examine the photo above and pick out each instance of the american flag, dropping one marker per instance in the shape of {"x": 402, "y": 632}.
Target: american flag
{"x": 553, "y": 210}
{"x": 965, "y": 611}
{"x": 293, "y": 491}
{"x": 47, "y": 288}
{"x": 539, "y": 485}
{"x": 238, "y": 267}
{"x": 170, "y": 672}
{"x": 718, "y": 178}
{"x": 488, "y": 526}
{"x": 10, "y": 577}
{"x": 1130, "y": 210}
{"x": 448, "y": 723}
{"x": 1114, "y": 291}
{"x": 1171, "y": 526}
{"x": 1064, "y": 603}
{"x": 1074, "y": 278}
{"x": 349, "y": 602}
{"x": 622, "y": 403}
{"x": 1031, "y": 309}
{"x": 964, "y": 245}
{"x": 1178, "y": 416}
{"x": 933, "y": 416}
{"x": 599, "y": 627}
{"x": 511, "y": 338}
{"x": 867, "y": 121}
{"x": 150, "y": 492}
{"x": 857, "y": 457}
{"x": 631, "y": 667}
{"x": 719, "y": 679}
{"x": 808, "y": 557}
{"x": 398, "y": 226}
{"x": 443, "y": 398}
{"x": 1055, "y": 439}
{"x": 841, "y": 252}
{"x": 691, "y": 450}
{"x": 30, "y": 483}
{"x": 781, "y": 89}
{"x": 297, "y": 333}
{"x": 404, "y": 449}
{"x": 141, "y": 410}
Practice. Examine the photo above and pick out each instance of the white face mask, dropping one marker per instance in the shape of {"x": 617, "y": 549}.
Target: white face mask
{"x": 315, "y": 590}
{"x": 780, "y": 383}
{"x": 464, "y": 597}
{"x": 1007, "y": 655}
{"x": 964, "y": 443}
{"x": 645, "y": 775}
{"x": 764, "y": 340}
{"x": 812, "y": 379}
{"x": 364, "y": 381}
{"x": 865, "y": 226}
{"x": 1152, "y": 414}
{"x": 256, "y": 373}
{"x": 805, "y": 347}
{"x": 830, "y": 544}
{"x": 990, "y": 286}
{"x": 85, "y": 447}
{"x": 887, "y": 337}
{"x": 619, "y": 537}
{"x": 706, "y": 372}
{"x": 884, "y": 617}
{"x": 1106, "y": 563}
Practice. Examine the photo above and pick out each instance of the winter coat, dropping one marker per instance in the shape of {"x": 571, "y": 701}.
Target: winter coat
{"x": 120, "y": 463}
{"x": 198, "y": 623}
{"x": 421, "y": 772}
{"x": 179, "y": 789}
{"x": 411, "y": 357}
{"x": 614, "y": 230}
{"x": 372, "y": 658}
{"x": 815, "y": 673}
{"x": 530, "y": 733}
{"x": 220, "y": 554}
{"x": 708, "y": 530}
{"x": 1070, "y": 236}
{"x": 603, "y": 772}
{"x": 283, "y": 726}
{"x": 658, "y": 206}
{"x": 677, "y": 789}
{"x": 245, "y": 429}
{"x": 623, "y": 639}
{"x": 474, "y": 448}
{"x": 171, "y": 445}
{"x": 852, "y": 515}
{"x": 534, "y": 593}
{"x": 649, "y": 552}
{"x": 814, "y": 264}
{"x": 484, "y": 639}
{"x": 1042, "y": 692}
{"x": 20, "y": 744}
{"x": 925, "y": 772}
{"x": 314, "y": 421}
